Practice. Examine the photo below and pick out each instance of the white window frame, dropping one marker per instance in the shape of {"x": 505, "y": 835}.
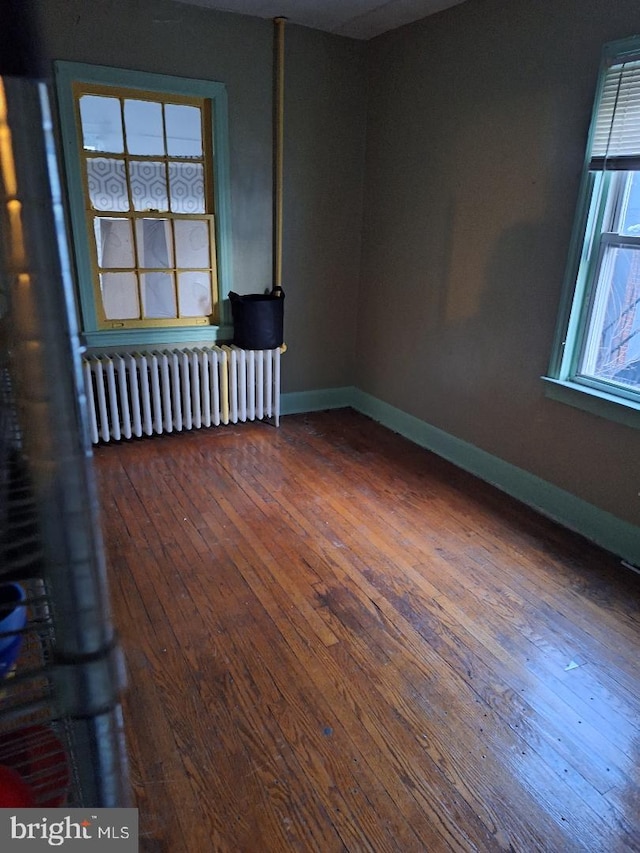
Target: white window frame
{"x": 600, "y": 196}
{"x": 68, "y": 73}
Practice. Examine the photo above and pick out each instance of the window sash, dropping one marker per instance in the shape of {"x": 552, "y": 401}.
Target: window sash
{"x": 220, "y": 325}
{"x": 593, "y": 286}
{"x": 134, "y": 214}
{"x": 139, "y": 269}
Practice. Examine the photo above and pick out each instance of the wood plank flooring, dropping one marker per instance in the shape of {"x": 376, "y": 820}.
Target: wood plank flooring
{"x": 337, "y": 641}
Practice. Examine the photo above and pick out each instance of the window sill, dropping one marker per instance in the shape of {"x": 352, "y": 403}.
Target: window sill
{"x": 157, "y": 337}
{"x": 591, "y": 400}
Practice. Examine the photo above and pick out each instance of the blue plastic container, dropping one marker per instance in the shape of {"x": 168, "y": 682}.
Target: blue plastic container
{"x": 13, "y": 617}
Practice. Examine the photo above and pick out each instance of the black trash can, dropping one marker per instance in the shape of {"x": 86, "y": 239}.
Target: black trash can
{"x": 258, "y": 320}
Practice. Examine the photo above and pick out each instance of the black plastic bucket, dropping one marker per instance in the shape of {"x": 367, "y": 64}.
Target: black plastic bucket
{"x": 258, "y": 320}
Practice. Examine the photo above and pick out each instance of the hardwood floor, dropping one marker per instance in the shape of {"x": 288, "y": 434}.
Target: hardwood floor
{"x": 337, "y": 641}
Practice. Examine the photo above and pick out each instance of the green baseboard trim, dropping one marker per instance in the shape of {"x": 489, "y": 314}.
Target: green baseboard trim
{"x": 298, "y": 402}
{"x": 604, "y": 529}
{"x": 601, "y": 527}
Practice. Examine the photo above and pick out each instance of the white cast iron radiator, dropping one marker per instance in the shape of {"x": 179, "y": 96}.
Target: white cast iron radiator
{"x": 135, "y": 394}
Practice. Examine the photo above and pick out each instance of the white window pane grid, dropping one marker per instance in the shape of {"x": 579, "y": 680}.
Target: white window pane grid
{"x": 101, "y": 120}
{"x": 612, "y": 345}
{"x": 629, "y": 220}
{"x": 114, "y": 242}
{"x": 193, "y": 246}
{"x": 145, "y": 284}
{"x": 148, "y": 185}
{"x": 107, "y": 184}
{"x": 144, "y": 127}
{"x": 158, "y": 296}
{"x": 187, "y": 187}
{"x": 184, "y": 130}
{"x": 120, "y": 295}
{"x": 194, "y": 294}
{"x": 157, "y": 141}
{"x": 154, "y": 243}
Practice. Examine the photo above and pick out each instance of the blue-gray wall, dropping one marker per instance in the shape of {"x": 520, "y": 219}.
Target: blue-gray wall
{"x": 476, "y": 131}
{"x": 324, "y": 151}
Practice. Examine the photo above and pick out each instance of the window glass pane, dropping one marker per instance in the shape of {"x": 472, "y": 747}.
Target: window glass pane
{"x": 143, "y": 127}
{"x": 148, "y": 185}
{"x": 101, "y": 124}
{"x": 184, "y": 131}
{"x": 194, "y": 293}
{"x": 155, "y": 247}
{"x": 114, "y": 242}
{"x": 187, "y": 187}
{"x": 158, "y": 296}
{"x": 631, "y": 218}
{"x": 107, "y": 184}
{"x": 192, "y": 243}
{"x": 120, "y": 295}
{"x": 612, "y": 350}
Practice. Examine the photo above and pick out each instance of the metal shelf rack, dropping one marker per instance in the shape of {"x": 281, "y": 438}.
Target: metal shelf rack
{"x": 60, "y": 714}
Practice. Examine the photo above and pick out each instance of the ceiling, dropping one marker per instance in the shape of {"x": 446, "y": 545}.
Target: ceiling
{"x": 360, "y": 19}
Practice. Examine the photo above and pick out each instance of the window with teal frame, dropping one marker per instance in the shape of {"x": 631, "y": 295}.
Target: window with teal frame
{"x": 146, "y": 163}
{"x": 596, "y": 361}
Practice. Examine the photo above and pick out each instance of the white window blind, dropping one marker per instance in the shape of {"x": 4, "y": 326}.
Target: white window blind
{"x": 616, "y": 137}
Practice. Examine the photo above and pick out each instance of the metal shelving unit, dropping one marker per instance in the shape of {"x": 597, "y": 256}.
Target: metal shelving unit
{"x": 60, "y": 715}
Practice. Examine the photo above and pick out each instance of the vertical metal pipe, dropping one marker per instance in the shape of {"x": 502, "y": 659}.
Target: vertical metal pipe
{"x": 278, "y": 155}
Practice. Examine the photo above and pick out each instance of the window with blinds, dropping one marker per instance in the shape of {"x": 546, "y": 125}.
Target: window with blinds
{"x": 599, "y": 340}
{"x": 616, "y": 131}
